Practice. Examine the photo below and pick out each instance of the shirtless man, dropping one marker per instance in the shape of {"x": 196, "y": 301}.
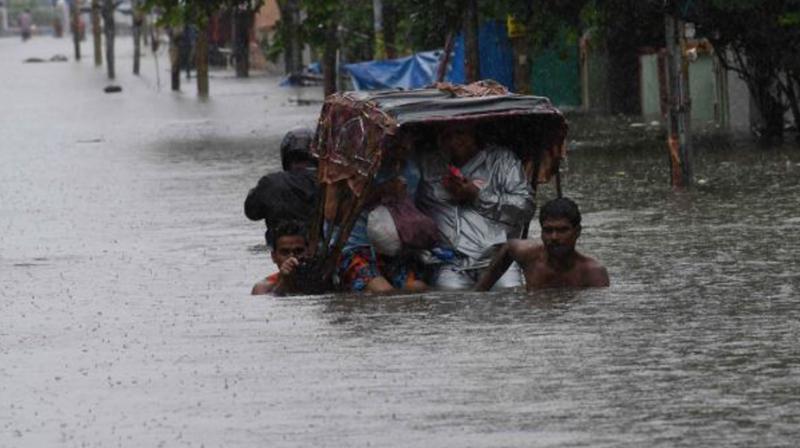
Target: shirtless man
{"x": 554, "y": 264}
{"x": 289, "y": 246}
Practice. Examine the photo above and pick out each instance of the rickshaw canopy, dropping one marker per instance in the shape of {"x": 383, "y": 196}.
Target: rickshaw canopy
{"x": 355, "y": 129}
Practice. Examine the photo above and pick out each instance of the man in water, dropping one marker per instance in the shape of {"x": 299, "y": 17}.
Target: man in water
{"x": 554, "y": 264}
{"x": 479, "y": 197}
{"x": 289, "y": 247}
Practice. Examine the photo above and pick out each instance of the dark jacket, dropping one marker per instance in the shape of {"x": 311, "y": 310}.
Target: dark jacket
{"x": 285, "y": 195}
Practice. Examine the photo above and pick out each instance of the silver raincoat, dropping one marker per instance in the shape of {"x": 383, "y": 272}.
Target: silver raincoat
{"x": 504, "y": 205}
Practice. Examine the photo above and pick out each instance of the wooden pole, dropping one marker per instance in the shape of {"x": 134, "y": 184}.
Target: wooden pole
{"x": 678, "y": 132}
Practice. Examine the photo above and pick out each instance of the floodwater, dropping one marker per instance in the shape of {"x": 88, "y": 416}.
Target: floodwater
{"x": 126, "y": 264}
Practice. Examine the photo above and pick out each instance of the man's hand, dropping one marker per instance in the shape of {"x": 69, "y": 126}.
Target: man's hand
{"x": 462, "y": 189}
{"x": 285, "y": 281}
{"x": 288, "y": 266}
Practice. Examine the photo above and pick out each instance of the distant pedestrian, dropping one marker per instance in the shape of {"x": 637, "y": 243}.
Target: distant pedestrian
{"x": 25, "y": 22}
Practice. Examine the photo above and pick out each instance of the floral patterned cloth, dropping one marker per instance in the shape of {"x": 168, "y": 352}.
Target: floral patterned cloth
{"x": 358, "y": 266}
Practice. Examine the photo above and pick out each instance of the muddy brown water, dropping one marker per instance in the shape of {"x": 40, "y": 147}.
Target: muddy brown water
{"x": 126, "y": 263}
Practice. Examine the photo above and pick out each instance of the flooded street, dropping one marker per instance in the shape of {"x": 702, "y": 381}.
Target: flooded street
{"x": 126, "y": 264}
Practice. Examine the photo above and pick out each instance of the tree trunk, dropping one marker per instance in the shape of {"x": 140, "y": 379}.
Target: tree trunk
{"x": 792, "y": 86}
{"x": 243, "y": 19}
{"x": 174, "y": 59}
{"x": 138, "y": 18}
{"x": 472, "y": 59}
{"x": 202, "y": 59}
{"x": 390, "y": 29}
{"x": 329, "y": 58}
{"x": 108, "y": 21}
{"x": 96, "y": 33}
{"x": 76, "y": 30}
{"x": 771, "y": 110}
{"x": 145, "y": 30}
{"x": 290, "y": 29}
{"x": 296, "y": 41}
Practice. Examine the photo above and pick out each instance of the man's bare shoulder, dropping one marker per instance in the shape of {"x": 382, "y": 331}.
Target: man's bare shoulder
{"x": 525, "y": 251}
{"x": 593, "y": 273}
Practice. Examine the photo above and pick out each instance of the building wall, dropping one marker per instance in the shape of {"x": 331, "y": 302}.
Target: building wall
{"x": 702, "y": 90}
{"x": 706, "y": 99}
{"x": 651, "y": 97}
{"x": 556, "y": 74}
{"x": 268, "y": 16}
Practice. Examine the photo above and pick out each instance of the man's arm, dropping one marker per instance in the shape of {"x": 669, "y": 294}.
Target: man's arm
{"x": 499, "y": 265}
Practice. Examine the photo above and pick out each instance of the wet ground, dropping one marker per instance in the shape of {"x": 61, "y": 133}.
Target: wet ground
{"x": 126, "y": 263}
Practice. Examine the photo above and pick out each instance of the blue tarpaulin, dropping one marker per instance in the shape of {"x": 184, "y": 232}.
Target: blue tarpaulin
{"x": 411, "y": 72}
{"x": 419, "y": 70}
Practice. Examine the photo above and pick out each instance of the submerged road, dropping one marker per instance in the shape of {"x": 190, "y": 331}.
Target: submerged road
{"x": 126, "y": 264}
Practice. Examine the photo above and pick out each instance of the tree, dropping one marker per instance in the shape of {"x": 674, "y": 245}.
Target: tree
{"x": 198, "y": 13}
{"x": 760, "y": 41}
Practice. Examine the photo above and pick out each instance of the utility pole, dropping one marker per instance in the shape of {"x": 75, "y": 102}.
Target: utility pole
{"x": 380, "y": 43}
{"x": 678, "y": 122}
{"x": 472, "y": 62}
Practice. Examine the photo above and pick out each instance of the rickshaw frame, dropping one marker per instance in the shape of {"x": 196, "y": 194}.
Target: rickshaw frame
{"x": 357, "y": 129}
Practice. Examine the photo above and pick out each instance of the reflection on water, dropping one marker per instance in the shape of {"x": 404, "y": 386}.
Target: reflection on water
{"x": 125, "y": 316}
